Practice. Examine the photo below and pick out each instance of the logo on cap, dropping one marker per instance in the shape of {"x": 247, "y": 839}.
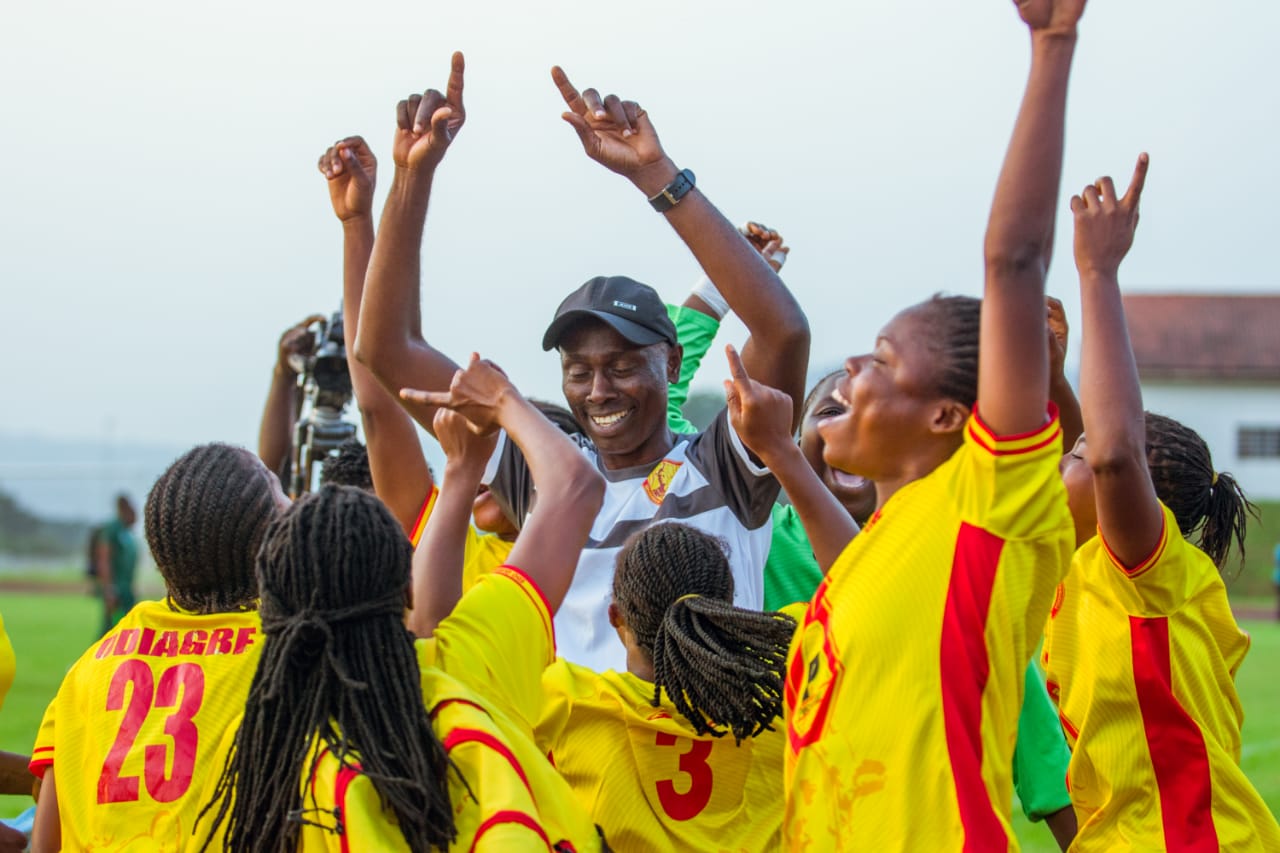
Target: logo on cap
{"x": 627, "y": 305}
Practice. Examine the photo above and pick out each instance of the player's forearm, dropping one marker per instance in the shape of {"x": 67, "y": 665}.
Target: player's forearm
{"x": 1021, "y": 225}
{"x": 1070, "y": 418}
{"x": 15, "y": 778}
{"x": 439, "y": 558}
{"x": 1112, "y": 395}
{"x": 275, "y": 433}
{"x": 826, "y": 522}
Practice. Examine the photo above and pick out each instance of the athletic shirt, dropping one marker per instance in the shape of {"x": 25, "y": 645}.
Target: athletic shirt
{"x": 906, "y": 674}
{"x": 1142, "y": 664}
{"x": 647, "y": 778}
{"x": 8, "y": 663}
{"x": 138, "y": 718}
{"x": 481, "y": 552}
{"x": 706, "y": 480}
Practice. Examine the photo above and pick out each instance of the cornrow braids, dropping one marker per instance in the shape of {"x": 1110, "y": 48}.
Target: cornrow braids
{"x": 722, "y": 666}
{"x": 337, "y": 667}
{"x": 348, "y": 466}
{"x": 1211, "y": 509}
{"x": 956, "y": 322}
{"x": 205, "y": 518}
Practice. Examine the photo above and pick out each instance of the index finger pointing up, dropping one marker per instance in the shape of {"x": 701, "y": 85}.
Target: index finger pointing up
{"x": 567, "y": 91}
{"x": 1134, "y": 194}
{"x": 453, "y": 93}
{"x": 736, "y": 368}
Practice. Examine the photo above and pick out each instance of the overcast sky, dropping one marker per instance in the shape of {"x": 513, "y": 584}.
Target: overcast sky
{"x": 162, "y": 218}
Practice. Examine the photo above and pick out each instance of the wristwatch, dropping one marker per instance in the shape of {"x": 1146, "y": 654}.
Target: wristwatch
{"x": 673, "y": 192}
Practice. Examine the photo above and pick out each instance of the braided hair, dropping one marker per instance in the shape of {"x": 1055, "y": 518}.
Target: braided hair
{"x": 722, "y": 666}
{"x": 205, "y": 518}
{"x": 956, "y": 322}
{"x": 337, "y": 667}
{"x": 1208, "y": 506}
{"x": 348, "y": 466}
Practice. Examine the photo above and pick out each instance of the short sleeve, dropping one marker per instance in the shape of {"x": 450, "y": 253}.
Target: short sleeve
{"x": 420, "y": 524}
{"x": 749, "y": 489}
{"x": 1010, "y": 485}
{"x": 498, "y": 641}
{"x": 1173, "y": 574}
{"x": 365, "y": 824}
{"x": 42, "y": 752}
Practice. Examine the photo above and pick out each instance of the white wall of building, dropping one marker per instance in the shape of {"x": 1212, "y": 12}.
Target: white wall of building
{"x": 1217, "y": 411}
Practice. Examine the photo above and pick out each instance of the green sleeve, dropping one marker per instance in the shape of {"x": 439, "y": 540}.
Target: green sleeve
{"x": 1041, "y": 756}
{"x": 695, "y": 331}
{"x": 791, "y": 573}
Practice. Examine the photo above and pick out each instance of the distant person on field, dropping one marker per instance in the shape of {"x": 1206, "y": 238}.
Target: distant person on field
{"x": 1275, "y": 578}
{"x": 115, "y": 561}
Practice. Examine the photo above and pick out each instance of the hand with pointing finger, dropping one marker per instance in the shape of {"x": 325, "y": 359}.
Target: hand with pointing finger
{"x": 476, "y": 392}
{"x": 760, "y": 415}
{"x": 427, "y": 124}
{"x": 1105, "y": 224}
{"x": 617, "y": 134}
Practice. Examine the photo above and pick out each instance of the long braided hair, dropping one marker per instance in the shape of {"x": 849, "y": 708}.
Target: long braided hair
{"x": 205, "y": 518}
{"x": 338, "y": 666}
{"x": 722, "y": 666}
{"x": 1210, "y": 507}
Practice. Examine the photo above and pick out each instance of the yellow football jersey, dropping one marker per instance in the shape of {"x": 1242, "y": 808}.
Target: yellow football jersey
{"x": 8, "y": 663}
{"x": 906, "y": 675}
{"x": 137, "y": 721}
{"x": 647, "y": 778}
{"x": 1142, "y": 664}
{"x": 481, "y": 553}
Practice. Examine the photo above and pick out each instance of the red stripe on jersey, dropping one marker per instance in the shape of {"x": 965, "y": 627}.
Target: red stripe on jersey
{"x": 346, "y": 775}
{"x": 40, "y": 763}
{"x": 461, "y": 736}
{"x": 965, "y": 667}
{"x": 995, "y": 451}
{"x": 1176, "y": 744}
{"x": 525, "y": 582}
{"x": 510, "y": 817}
{"x": 446, "y": 703}
{"x": 415, "y": 532}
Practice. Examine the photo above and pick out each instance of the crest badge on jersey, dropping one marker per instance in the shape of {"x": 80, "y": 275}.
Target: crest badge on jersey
{"x": 659, "y": 480}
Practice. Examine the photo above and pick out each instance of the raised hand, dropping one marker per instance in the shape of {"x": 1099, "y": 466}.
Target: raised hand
{"x": 461, "y": 444}
{"x": 768, "y": 243}
{"x": 1058, "y": 333}
{"x": 476, "y": 393}
{"x": 351, "y": 170}
{"x": 426, "y": 124}
{"x": 1054, "y": 17}
{"x": 615, "y": 133}
{"x": 1105, "y": 224}
{"x": 296, "y": 342}
{"x": 760, "y": 415}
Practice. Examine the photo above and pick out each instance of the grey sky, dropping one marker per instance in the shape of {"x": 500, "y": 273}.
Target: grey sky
{"x": 163, "y": 218}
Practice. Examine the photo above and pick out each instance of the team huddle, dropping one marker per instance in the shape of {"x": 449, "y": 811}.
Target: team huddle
{"x": 855, "y": 616}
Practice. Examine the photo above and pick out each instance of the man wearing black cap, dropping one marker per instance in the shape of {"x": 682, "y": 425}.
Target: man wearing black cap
{"x": 618, "y": 352}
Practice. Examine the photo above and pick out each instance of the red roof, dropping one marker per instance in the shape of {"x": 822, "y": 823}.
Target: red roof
{"x": 1196, "y": 336}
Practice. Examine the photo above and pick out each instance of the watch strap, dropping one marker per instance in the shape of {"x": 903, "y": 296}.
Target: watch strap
{"x": 671, "y": 194}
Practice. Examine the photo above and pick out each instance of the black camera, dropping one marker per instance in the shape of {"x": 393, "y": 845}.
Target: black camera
{"x": 325, "y": 382}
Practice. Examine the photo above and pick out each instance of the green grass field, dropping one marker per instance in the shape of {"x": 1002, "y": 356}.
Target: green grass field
{"x": 49, "y": 631}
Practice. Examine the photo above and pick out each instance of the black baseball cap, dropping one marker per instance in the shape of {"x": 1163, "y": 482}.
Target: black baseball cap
{"x": 633, "y": 309}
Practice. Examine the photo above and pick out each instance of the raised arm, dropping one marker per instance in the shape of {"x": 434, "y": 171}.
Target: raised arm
{"x": 758, "y": 414}
{"x": 1061, "y": 394}
{"x": 1013, "y": 373}
{"x": 618, "y": 135}
{"x": 1129, "y": 514}
{"x": 389, "y": 340}
{"x": 275, "y": 433}
{"x": 401, "y": 478}
{"x": 569, "y": 488}
{"x": 439, "y": 557}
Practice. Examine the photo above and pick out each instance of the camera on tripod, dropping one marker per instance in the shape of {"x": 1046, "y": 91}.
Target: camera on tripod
{"x": 325, "y": 382}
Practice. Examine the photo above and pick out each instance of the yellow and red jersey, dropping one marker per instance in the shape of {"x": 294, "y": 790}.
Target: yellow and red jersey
{"x": 134, "y": 729}
{"x": 482, "y": 552}
{"x": 8, "y": 663}
{"x": 906, "y": 675}
{"x": 647, "y": 778}
{"x": 1142, "y": 662}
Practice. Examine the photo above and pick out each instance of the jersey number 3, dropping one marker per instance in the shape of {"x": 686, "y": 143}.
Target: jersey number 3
{"x": 694, "y": 764}
{"x": 179, "y": 725}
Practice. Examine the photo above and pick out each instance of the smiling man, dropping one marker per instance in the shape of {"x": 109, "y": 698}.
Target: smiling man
{"x": 618, "y": 352}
